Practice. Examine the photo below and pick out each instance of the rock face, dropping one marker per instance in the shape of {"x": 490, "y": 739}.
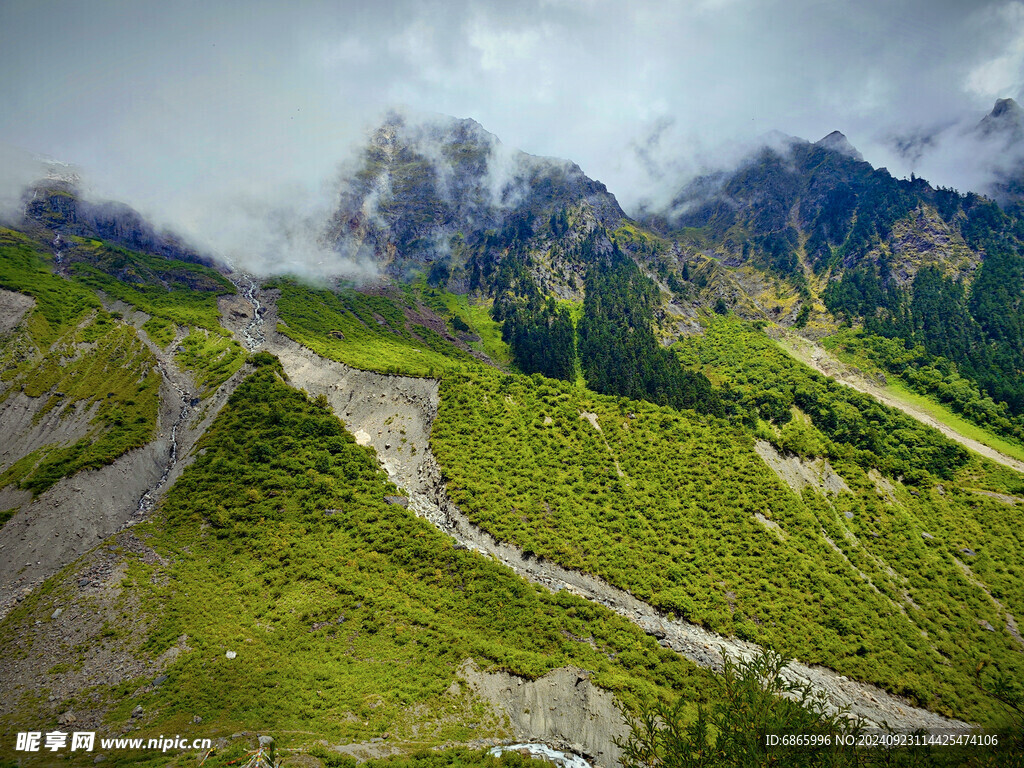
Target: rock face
{"x": 13, "y": 307}
{"x": 562, "y": 708}
{"x": 56, "y": 204}
{"x": 421, "y": 189}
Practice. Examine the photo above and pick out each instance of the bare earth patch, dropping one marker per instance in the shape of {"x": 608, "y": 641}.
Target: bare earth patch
{"x": 799, "y": 474}
{"x": 13, "y": 307}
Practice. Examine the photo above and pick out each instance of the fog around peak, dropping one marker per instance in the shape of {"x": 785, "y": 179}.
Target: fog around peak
{"x": 228, "y": 122}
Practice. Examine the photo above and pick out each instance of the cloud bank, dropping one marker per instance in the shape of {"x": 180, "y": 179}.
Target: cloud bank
{"x": 208, "y": 116}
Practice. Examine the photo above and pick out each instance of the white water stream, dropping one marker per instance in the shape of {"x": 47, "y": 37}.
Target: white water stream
{"x": 544, "y": 752}
{"x": 148, "y": 499}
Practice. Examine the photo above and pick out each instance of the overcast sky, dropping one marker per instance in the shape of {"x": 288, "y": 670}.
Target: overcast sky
{"x": 176, "y": 106}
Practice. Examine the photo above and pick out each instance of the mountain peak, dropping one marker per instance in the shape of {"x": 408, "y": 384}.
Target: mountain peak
{"x": 1006, "y": 107}
{"x": 422, "y": 180}
{"x": 1006, "y": 120}
{"x": 837, "y": 142}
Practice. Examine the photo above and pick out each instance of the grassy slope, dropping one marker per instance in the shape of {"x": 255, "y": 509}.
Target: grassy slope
{"x": 474, "y": 313}
{"x": 349, "y": 615}
{"x": 177, "y": 291}
{"x": 677, "y": 529}
{"x": 76, "y": 355}
{"x": 176, "y": 294}
{"x": 367, "y": 332}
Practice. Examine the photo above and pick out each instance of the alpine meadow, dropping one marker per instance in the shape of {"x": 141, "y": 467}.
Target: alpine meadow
{"x": 464, "y": 462}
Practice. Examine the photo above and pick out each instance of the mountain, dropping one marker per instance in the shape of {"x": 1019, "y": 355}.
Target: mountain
{"x": 542, "y": 484}
{"x": 992, "y": 148}
{"x": 808, "y": 206}
{"x": 447, "y": 199}
{"x": 1005, "y": 122}
{"x": 837, "y": 142}
{"x": 1003, "y": 130}
{"x": 56, "y": 205}
{"x": 421, "y": 189}
{"x": 925, "y": 265}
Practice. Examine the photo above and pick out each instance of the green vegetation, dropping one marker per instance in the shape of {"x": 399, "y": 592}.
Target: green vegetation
{"x": 474, "y": 314}
{"x": 7, "y": 514}
{"x": 349, "y": 615}
{"x": 756, "y": 702}
{"x": 953, "y": 420}
{"x": 540, "y": 333}
{"x": 211, "y": 356}
{"x": 680, "y": 510}
{"x": 364, "y": 331}
{"x": 976, "y": 333}
{"x": 174, "y": 291}
{"x": 160, "y": 331}
{"x": 617, "y": 349}
{"x": 809, "y": 211}
{"x": 59, "y": 304}
{"x": 898, "y": 565}
{"x": 934, "y": 377}
{"x": 670, "y": 506}
{"x": 120, "y": 377}
{"x": 84, "y": 361}
{"x": 176, "y": 294}
{"x": 763, "y": 382}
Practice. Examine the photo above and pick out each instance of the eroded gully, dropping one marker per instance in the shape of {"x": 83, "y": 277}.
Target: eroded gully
{"x": 394, "y": 414}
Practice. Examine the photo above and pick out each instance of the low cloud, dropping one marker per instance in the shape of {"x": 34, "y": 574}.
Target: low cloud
{"x": 173, "y": 109}
{"x": 281, "y": 235}
{"x": 975, "y": 154}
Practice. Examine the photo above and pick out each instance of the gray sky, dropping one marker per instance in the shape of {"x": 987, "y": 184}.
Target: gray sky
{"x": 189, "y": 110}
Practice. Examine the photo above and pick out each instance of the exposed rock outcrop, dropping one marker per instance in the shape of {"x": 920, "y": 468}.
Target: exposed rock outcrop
{"x": 562, "y": 708}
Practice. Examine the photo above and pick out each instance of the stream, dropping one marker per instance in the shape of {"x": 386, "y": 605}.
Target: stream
{"x": 252, "y": 334}
{"x": 148, "y": 500}
{"x": 253, "y": 337}
{"x": 543, "y": 752}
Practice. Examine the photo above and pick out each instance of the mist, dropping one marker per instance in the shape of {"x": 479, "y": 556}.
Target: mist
{"x": 227, "y": 123}
{"x": 274, "y": 228}
{"x": 20, "y": 169}
{"x": 967, "y": 154}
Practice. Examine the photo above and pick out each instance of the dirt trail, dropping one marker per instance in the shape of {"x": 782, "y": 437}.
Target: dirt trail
{"x": 394, "y": 414}
{"x": 824, "y": 362}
